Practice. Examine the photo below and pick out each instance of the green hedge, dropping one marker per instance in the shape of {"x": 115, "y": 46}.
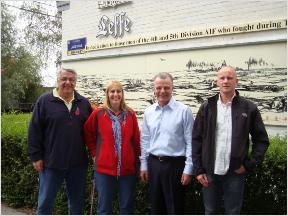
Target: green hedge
{"x": 265, "y": 188}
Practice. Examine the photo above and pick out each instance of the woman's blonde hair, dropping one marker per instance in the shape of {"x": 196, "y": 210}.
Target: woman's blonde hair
{"x": 107, "y": 104}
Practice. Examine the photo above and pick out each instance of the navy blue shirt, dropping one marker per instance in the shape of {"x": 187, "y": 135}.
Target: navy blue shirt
{"x": 55, "y": 134}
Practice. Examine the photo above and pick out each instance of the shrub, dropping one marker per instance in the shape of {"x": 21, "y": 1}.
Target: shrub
{"x": 265, "y": 187}
{"x": 18, "y": 180}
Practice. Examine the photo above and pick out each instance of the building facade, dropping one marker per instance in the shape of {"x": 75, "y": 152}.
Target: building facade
{"x": 132, "y": 41}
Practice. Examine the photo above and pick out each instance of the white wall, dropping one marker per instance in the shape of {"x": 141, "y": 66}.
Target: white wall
{"x": 161, "y": 17}
{"x": 142, "y": 62}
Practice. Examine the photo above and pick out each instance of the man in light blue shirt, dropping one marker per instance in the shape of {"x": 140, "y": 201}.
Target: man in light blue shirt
{"x": 166, "y": 149}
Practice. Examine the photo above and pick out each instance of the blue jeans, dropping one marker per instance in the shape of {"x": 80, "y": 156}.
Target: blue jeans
{"x": 51, "y": 180}
{"x": 231, "y": 186}
{"x": 105, "y": 185}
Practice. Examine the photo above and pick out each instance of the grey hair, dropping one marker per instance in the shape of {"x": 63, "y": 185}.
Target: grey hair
{"x": 71, "y": 70}
{"x": 164, "y": 75}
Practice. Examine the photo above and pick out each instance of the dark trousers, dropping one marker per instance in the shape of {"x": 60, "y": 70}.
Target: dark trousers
{"x": 167, "y": 194}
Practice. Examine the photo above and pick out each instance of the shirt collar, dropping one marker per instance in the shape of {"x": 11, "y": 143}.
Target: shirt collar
{"x": 220, "y": 100}
{"x": 171, "y": 104}
{"x": 55, "y": 94}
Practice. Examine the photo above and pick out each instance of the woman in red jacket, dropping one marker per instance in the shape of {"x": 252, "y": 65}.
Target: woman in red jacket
{"x": 113, "y": 138}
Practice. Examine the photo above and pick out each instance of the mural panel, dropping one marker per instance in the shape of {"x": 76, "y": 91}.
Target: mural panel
{"x": 261, "y": 69}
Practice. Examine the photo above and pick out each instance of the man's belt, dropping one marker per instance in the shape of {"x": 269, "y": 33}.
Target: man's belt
{"x": 166, "y": 158}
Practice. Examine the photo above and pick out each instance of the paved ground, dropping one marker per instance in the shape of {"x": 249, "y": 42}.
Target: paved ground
{"x": 5, "y": 210}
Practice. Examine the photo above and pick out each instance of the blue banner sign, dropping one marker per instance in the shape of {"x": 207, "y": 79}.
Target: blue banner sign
{"x": 76, "y": 46}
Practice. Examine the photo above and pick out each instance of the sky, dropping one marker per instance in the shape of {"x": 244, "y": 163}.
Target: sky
{"x": 48, "y": 75}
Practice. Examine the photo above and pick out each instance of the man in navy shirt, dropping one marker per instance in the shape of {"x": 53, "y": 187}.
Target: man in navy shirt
{"x": 56, "y": 144}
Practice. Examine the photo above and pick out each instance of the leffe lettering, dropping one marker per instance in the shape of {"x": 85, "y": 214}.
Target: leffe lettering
{"x": 115, "y": 28}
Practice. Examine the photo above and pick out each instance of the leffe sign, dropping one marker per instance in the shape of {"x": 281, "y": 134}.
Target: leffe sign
{"x": 115, "y": 28}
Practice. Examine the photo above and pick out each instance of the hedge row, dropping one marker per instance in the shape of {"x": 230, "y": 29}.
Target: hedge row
{"x": 265, "y": 188}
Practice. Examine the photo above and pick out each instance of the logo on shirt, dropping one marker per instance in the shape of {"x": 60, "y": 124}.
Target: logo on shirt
{"x": 244, "y": 114}
{"x": 77, "y": 111}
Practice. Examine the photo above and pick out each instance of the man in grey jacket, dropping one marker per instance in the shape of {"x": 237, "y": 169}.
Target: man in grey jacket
{"x": 220, "y": 144}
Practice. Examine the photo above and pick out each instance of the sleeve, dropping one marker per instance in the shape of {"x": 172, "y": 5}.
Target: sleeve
{"x": 260, "y": 142}
{"x": 145, "y": 143}
{"x": 188, "y": 123}
{"x": 90, "y": 128}
{"x": 136, "y": 136}
{"x": 36, "y": 133}
{"x": 90, "y": 108}
{"x": 197, "y": 139}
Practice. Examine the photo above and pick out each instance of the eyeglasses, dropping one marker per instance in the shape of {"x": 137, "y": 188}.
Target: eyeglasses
{"x": 67, "y": 79}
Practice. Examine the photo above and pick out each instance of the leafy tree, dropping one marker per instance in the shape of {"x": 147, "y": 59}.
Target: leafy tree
{"x": 43, "y": 30}
{"x": 8, "y": 32}
{"x": 20, "y": 69}
{"x": 18, "y": 78}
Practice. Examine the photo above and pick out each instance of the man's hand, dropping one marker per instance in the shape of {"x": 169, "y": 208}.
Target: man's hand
{"x": 240, "y": 170}
{"x": 38, "y": 165}
{"x": 144, "y": 175}
{"x": 202, "y": 178}
{"x": 186, "y": 179}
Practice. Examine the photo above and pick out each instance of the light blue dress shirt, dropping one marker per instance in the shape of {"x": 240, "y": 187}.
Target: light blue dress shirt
{"x": 167, "y": 131}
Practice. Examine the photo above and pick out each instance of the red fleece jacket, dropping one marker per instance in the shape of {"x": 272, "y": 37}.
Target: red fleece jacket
{"x": 100, "y": 140}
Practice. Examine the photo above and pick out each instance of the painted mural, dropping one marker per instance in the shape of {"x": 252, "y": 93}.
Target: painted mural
{"x": 261, "y": 70}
